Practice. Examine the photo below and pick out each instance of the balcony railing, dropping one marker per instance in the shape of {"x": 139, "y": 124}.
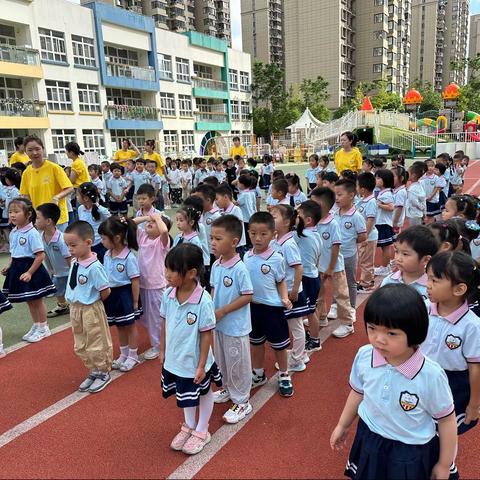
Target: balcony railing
{"x": 217, "y": 85}
{"x": 22, "y": 107}
{"x": 132, "y": 112}
{"x": 130, "y": 71}
{"x": 26, "y": 56}
{"x": 211, "y": 117}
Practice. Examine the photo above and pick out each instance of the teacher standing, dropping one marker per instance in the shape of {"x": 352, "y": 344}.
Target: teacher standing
{"x": 44, "y": 181}
{"x": 349, "y": 156}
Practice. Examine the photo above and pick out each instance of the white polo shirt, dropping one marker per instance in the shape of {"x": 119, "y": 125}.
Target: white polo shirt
{"x": 247, "y": 201}
{"x": 329, "y": 232}
{"x": 351, "y": 224}
{"x": 310, "y": 245}
{"x": 383, "y": 217}
{"x": 415, "y": 206}
{"x": 399, "y": 200}
{"x": 56, "y": 253}
{"x": 367, "y": 207}
{"x": 429, "y": 184}
{"x": 207, "y": 219}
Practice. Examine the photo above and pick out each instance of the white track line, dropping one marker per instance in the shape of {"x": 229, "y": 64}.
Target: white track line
{"x": 473, "y": 187}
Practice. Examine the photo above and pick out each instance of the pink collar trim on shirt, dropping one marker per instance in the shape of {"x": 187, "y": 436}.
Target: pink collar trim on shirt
{"x": 283, "y": 201}
{"x": 229, "y": 208}
{"x": 194, "y": 298}
{"x": 454, "y": 317}
{"x": 213, "y": 210}
{"x": 326, "y": 220}
{"x": 286, "y": 237}
{"x": 265, "y": 255}
{"x": 367, "y": 199}
{"x": 88, "y": 261}
{"x": 230, "y": 263}
{"x": 401, "y": 187}
{"x": 420, "y": 280}
{"x": 26, "y": 228}
{"x": 384, "y": 190}
{"x": 189, "y": 236}
{"x": 349, "y": 212}
{"x": 55, "y": 236}
{"x": 122, "y": 255}
{"x": 409, "y": 368}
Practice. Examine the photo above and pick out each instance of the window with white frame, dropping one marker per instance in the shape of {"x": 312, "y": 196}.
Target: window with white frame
{"x": 121, "y": 55}
{"x": 165, "y": 66}
{"x": 233, "y": 79}
{"x": 60, "y": 137}
{"x": 136, "y": 136}
{"x": 170, "y": 138}
{"x": 124, "y": 97}
{"x": 245, "y": 111}
{"x": 377, "y": 67}
{"x": 185, "y": 105}
{"x": 94, "y": 141}
{"x": 52, "y": 45}
{"x": 167, "y": 104}
{"x": 83, "y": 51}
{"x": 188, "y": 140}
{"x": 235, "y": 106}
{"x": 244, "y": 81}
{"x": 88, "y": 97}
{"x": 183, "y": 69}
{"x": 58, "y": 95}
{"x": 203, "y": 71}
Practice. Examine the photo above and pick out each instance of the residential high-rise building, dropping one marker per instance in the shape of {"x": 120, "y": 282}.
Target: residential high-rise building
{"x": 210, "y": 17}
{"x": 474, "y": 41}
{"x": 438, "y": 37}
{"x": 263, "y": 30}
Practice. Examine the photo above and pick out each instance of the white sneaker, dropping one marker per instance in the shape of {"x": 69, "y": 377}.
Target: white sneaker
{"x": 237, "y": 412}
{"x": 39, "y": 334}
{"x": 30, "y": 333}
{"x": 305, "y": 322}
{"x": 151, "y": 353}
{"x": 324, "y": 322}
{"x": 116, "y": 364}
{"x": 332, "y": 314}
{"x": 221, "y": 396}
{"x": 2, "y": 353}
{"x": 343, "y": 331}
{"x": 294, "y": 367}
{"x": 306, "y": 358}
{"x": 381, "y": 271}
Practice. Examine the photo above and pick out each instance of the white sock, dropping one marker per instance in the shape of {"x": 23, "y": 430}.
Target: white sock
{"x": 190, "y": 414}
{"x": 123, "y": 352}
{"x": 132, "y": 353}
{"x": 259, "y": 372}
{"x": 42, "y": 324}
{"x": 205, "y": 410}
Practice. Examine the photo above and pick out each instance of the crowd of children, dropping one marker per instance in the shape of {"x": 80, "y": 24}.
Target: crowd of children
{"x": 235, "y": 277}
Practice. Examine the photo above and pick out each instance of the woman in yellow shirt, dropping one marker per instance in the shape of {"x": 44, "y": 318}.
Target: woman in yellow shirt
{"x": 129, "y": 151}
{"x": 237, "y": 149}
{"x": 349, "y": 156}
{"x": 79, "y": 172}
{"x": 152, "y": 156}
{"x": 19, "y": 155}
{"x": 44, "y": 181}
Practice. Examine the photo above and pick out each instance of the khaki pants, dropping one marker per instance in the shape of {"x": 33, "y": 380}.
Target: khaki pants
{"x": 366, "y": 254}
{"x": 91, "y": 335}
{"x": 345, "y": 312}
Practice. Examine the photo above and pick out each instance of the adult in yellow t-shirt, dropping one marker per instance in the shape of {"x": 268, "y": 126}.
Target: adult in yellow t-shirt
{"x": 44, "y": 181}
{"x": 237, "y": 149}
{"x": 79, "y": 172}
{"x": 152, "y": 156}
{"x": 349, "y": 156}
{"x": 19, "y": 155}
{"x": 129, "y": 151}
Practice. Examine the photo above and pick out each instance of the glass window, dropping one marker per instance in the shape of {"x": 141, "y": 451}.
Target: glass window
{"x": 244, "y": 81}
{"x": 233, "y": 78}
{"x": 167, "y": 104}
{"x": 165, "y": 66}
{"x": 124, "y": 97}
{"x": 60, "y": 137}
{"x": 235, "y": 106}
{"x": 94, "y": 141}
{"x": 378, "y": 52}
{"x": 377, "y": 68}
{"x": 52, "y": 45}
{"x": 378, "y": 18}
{"x": 10, "y": 88}
{"x": 170, "y": 137}
{"x": 58, "y": 95}
{"x": 88, "y": 97}
{"x": 245, "y": 111}
{"x": 203, "y": 71}
{"x": 136, "y": 136}
{"x": 121, "y": 55}
{"x": 83, "y": 51}
{"x": 185, "y": 105}
{"x": 188, "y": 140}
{"x": 183, "y": 69}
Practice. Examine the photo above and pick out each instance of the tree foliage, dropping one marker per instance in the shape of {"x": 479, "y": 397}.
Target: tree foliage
{"x": 432, "y": 100}
{"x": 469, "y": 93}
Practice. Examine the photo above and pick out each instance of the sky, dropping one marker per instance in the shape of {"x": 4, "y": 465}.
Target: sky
{"x": 474, "y": 6}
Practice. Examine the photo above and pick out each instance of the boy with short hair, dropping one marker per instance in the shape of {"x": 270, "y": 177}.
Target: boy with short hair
{"x": 279, "y": 193}
{"x": 87, "y": 288}
{"x": 415, "y": 207}
{"x": 219, "y": 173}
{"x": 57, "y": 256}
{"x": 270, "y": 297}
{"x": 367, "y": 206}
{"x": 185, "y": 177}
{"x": 232, "y": 292}
{"x": 328, "y": 180}
{"x": 201, "y": 173}
{"x": 146, "y": 199}
{"x": 140, "y": 176}
{"x": 117, "y": 188}
{"x": 414, "y": 248}
{"x": 353, "y": 230}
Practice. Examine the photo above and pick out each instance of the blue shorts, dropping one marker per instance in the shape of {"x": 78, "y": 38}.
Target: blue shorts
{"x": 385, "y": 235}
{"x": 311, "y": 288}
{"x": 269, "y": 323}
{"x": 61, "y": 285}
{"x": 433, "y": 208}
{"x": 300, "y": 307}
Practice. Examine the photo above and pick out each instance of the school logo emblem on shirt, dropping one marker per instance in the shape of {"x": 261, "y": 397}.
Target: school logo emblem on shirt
{"x": 325, "y": 235}
{"x": 208, "y": 221}
{"x": 191, "y": 318}
{"x": 361, "y": 209}
{"x": 476, "y": 242}
{"x": 120, "y": 267}
{"x": 348, "y": 225}
{"x": 82, "y": 279}
{"x": 227, "y": 281}
{"x": 265, "y": 268}
{"x": 55, "y": 248}
{"x": 453, "y": 342}
{"x": 408, "y": 401}
{"x": 432, "y": 182}
{"x": 22, "y": 241}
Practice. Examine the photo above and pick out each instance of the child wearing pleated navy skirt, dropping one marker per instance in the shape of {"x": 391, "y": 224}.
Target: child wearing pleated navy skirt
{"x": 119, "y": 237}
{"x": 26, "y": 279}
{"x": 398, "y": 395}
{"x": 188, "y": 365}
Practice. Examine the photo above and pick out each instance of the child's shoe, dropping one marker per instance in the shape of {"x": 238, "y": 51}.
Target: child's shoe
{"x": 258, "y": 380}
{"x": 332, "y": 313}
{"x": 237, "y": 412}
{"x": 117, "y": 364}
{"x": 151, "y": 353}
{"x": 343, "y": 331}
{"x": 58, "y": 311}
{"x": 181, "y": 437}
{"x": 196, "y": 443}
{"x": 129, "y": 364}
{"x": 87, "y": 383}
{"x": 32, "y": 330}
{"x": 323, "y": 322}
{"x": 39, "y": 334}
{"x": 313, "y": 345}
{"x": 102, "y": 379}
{"x": 221, "y": 396}
{"x": 285, "y": 385}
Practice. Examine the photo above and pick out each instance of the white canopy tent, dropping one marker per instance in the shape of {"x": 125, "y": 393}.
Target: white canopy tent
{"x": 306, "y": 122}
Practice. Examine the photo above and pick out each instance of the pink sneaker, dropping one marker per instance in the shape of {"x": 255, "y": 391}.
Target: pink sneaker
{"x": 181, "y": 437}
{"x": 196, "y": 442}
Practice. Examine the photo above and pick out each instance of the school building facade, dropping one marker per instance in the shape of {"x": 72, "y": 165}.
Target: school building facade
{"x": 95, "y": 73}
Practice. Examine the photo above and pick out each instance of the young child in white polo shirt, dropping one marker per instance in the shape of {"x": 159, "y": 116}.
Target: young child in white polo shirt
{"x": 398, "y": 393}
{"x": 232, "y": 293}
{"x": 188, "y": 365}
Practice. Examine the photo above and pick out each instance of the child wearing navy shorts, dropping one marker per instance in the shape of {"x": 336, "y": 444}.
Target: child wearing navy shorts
{"x": 119, "y": 237}
{"x": 26, "y": 279}
{"x": 117, "y": 189}
{"x": 270, "y": 298}
{"x": 453, "y": 338}
{"x": 188, "y": 365}
{"x": 398, "y": 393}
